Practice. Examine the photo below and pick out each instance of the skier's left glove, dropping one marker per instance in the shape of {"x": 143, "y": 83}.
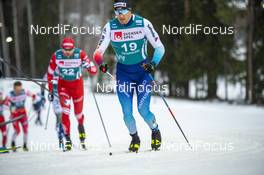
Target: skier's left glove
{"x": 103, "y": 68}
{"x": 149, "y": 67}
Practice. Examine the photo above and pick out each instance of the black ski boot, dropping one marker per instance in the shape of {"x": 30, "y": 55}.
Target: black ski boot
{"x": 155, "y": 139}
{"x": 82, "y": 136}
{"x": 135, "y": 143}
{"x": 25, "y": 148}
{"x": 68, "y": 143}
{"x": 13, "y": 146}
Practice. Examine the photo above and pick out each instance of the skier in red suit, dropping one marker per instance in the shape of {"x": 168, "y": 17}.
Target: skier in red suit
{"x": 68, "y": 63}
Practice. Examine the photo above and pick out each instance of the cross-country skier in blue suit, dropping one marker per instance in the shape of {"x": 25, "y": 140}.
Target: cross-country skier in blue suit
{"x": 128, "y": 34}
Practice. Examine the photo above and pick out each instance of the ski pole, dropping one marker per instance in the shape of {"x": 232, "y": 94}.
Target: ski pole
{"x": 172, "y": 114}
{"x": 111, "y": 75}
{"x": 25, "y": 79}
{"x": 22, "y": 73}
{"x": 47, "y": 119}
{"x": 12, "y": 120}
{"x": 102, "y": 121}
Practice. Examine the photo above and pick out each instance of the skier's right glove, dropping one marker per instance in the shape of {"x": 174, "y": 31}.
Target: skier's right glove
{"x": 149, "y": 67}
{"x": 103, "y": 68}
{"x": 50, "y": 96}
{"x": 98, "y": 58}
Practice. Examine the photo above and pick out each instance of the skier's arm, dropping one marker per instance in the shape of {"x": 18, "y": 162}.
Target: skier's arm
{"x": 30, "y": 94}
{"x": 6, "y": 102}
{"x": 51, "y": 70}
{"x": 154, "y": 40}
{"x": 102, "y": 45}
{"x": 87, "y": 63}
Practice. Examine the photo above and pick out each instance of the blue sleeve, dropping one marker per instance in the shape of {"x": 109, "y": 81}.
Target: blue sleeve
{"x": 158, "y": 54}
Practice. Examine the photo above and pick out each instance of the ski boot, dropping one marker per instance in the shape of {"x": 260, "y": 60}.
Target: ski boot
{"x": 135, "y": 143}
{"x": 13, "y": 146}
{"x": 68, "y": 143}
{"x": 3, "y": 150}
{"x": 25, "y": 148}
{"x": 155, "y": 139}
{"x": 82, "y": 136}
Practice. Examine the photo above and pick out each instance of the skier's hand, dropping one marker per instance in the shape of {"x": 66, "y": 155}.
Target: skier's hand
{"x": 149, "y": 67}
{"x": 92, "y": 70}
{"x": 98, "y": 57}
{"x": 51, "y": 96}
{"x": 103, "y": 68}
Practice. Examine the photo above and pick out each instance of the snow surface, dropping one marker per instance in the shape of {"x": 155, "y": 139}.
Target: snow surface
{"x": 226, "y": 139}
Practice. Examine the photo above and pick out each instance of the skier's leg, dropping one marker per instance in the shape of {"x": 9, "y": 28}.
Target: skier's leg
{"x": 59, "y": 129}
{"x": 126, "y": 76}
{"x": 125, "y": 96}
{"x": 16, "y": 130}
{"x": 15, "y": 134}
{"x": 24, "y": 123}
{"x": 39, "y": 117}
{"x": 78, "y": 96}
{"x": 58, "y": 113}
{"x": 65, "y": 101}
{"x": 144, "y": 90}
{"x": 144, "y": 95}
{"x": 4, "y": 132}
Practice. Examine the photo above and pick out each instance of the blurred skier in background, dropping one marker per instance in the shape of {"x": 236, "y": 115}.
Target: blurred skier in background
{"x": 3, "y": 102}
{"x": 39, "y": 103}
{"x": 16, "y": 101}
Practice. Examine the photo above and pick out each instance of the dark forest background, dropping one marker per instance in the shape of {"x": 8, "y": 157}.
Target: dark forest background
{"x": 202, "y": 59}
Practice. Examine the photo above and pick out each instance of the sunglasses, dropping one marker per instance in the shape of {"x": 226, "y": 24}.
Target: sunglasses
{"x": 121, "y": 12}
{"x": 67, "y": 50}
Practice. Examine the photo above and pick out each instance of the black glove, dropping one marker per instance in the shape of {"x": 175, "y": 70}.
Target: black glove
{"x": 103, "y": 68}
{"x": 51, "y": 97}
{"x": 1, "y": 73}
{"x": 149, "y": 67}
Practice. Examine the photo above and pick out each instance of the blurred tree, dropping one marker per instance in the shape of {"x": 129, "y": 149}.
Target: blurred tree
{"x": 16, "y": 35}
{"x": 31, "y": 40}
{"x": 192, "y": 56}
{"x": 257, "y": 53}
{"x": 4, "y": 45}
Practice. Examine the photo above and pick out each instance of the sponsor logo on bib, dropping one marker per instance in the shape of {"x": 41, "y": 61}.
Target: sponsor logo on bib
{"x": 69, "y": 63}
{"x": 118, "y": 35}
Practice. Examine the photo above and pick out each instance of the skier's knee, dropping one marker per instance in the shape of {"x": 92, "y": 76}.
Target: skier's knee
{"x": 128, "y": 118}
{"x": 17, "y": 131}
{"x": 143, "y": 112}
{"x": 80, "y": 118}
